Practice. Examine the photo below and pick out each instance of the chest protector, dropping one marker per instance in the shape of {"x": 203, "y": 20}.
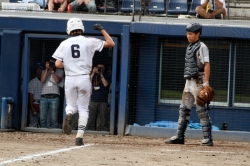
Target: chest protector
{"x": 191, "y": 67}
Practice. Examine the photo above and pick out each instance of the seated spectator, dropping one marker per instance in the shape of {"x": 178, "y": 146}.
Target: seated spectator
{"x": 98, "y": 105}
{"x": 78, "y": 5}
{"x": 62, "y": 5}
{"x": 211, "y": 9}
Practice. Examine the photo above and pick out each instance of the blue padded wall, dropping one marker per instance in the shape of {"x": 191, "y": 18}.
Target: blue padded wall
{"x": 10, "y": 70}
{"x": 147, "y": 86}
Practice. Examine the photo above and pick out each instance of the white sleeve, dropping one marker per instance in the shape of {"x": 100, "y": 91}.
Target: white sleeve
{"x": 58, "y": 54}
{"x": 97, "y": 44}
{"x": 204, "y": 53}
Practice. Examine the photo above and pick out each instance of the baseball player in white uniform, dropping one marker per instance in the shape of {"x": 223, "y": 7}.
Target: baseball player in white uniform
{"x": 75, "y": 55}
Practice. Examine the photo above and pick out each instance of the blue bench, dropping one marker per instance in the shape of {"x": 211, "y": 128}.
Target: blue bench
{"x": 156, "y": 6}
{"x": 110, "y": 10}
{"x": 127, "y": 6}
{"x": 193, "y": 6}
{"x": 177, "y": 7}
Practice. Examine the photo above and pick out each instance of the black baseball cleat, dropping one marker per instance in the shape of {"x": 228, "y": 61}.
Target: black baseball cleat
{"x": 79, "y": 142}
{"x": 67, "y": 127}
{"x": 175, "y": 140}
{"x": 207, "y": 142}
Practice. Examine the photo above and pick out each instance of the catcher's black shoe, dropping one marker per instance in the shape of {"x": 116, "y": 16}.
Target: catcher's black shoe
{"x": 207, "y": 142}
{"x": 79, "y": 142}
{"x": 67, "y": 127}
{"x": 175, "y": 140}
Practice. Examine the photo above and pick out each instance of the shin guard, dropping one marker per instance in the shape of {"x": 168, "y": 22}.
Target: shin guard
{"x": 183, "y": 120}
{"x": 206, "y": 124}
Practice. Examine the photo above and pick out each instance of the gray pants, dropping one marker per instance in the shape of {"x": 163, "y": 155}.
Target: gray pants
{"x": 91, "y": 6}
{"x": 98, "y": 109}
{"x": 192, "y": 88}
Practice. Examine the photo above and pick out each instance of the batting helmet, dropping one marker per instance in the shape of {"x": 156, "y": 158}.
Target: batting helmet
{"x": 194, "y": 27}
{"x": 205, "y": 96}
{"x": 74, "y": 24}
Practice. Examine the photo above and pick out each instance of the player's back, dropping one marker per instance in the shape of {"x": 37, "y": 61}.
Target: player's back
{"x": 78, "y": 53}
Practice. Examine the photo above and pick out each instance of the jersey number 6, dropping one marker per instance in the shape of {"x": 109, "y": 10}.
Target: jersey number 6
{"x": 75, "y": 51}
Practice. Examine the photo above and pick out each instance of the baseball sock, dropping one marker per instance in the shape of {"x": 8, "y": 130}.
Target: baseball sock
{"x": 82, "y": 122}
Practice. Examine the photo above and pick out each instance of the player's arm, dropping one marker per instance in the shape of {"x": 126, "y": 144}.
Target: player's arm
{"x": 59, "y": 64}
{"x": 206, "y": 72}
{"x": 108, "y": 40}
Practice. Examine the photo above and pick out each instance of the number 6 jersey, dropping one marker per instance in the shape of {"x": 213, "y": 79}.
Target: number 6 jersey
{"x": 77, "y": 53}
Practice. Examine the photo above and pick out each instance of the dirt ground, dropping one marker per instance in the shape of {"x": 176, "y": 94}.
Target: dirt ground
{"x": 46, "y": 149}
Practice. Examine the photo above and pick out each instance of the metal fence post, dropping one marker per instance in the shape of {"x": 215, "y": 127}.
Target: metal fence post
{"x": 6, "y": 114}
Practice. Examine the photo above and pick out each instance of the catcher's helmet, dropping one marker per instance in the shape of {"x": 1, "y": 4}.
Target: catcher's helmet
{"x": 194, "y": 27}
{"x": 205, "y": 96}
{"x": 74, "y": 24}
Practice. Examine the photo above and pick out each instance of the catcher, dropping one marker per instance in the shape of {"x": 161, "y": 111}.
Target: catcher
{"x": 196, "y": 73}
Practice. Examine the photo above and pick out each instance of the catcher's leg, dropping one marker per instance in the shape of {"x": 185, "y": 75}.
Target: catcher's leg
{"x": 184, "y": 116}
{"x": 206, "y": 125}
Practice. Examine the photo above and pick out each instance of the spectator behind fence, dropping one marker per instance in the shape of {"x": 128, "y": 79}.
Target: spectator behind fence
{"x": 99, "y": 99}
{"x": 211, "y": 9}
{"x": 35, "y": 90}
{"x": 52, "y": 80}
{"x": 196, "y": 74}
{"x": 78, "y": 5}
{"x": 61, "y": 3}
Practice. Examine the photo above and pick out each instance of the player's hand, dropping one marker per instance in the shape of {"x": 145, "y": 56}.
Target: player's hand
{"x": 97, "y": 27}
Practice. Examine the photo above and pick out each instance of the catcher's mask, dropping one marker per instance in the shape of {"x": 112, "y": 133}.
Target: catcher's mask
{"x": 205, "y": 96}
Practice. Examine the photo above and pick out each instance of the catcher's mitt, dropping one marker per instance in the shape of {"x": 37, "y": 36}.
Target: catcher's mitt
{"x": 205, "y": 96}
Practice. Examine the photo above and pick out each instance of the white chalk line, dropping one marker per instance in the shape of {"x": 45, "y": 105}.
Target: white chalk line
{"x": 44, "y": 154}
{"x": 200, "y": 151}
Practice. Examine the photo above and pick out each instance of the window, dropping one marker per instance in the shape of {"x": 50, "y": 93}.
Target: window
{"x": 172, "y": 69}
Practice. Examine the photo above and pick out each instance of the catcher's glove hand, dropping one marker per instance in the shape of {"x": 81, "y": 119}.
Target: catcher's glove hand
{"x": 97, "y": 27}
{"x": 205, "y": 96}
